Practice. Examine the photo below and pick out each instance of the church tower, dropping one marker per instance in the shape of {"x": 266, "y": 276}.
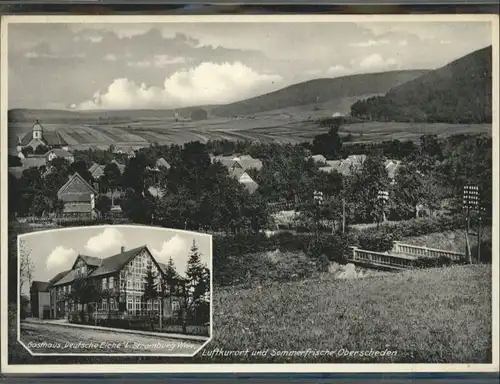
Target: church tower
{"x": 37, "y": 131}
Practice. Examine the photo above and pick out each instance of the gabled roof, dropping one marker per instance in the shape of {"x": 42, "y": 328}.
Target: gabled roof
{"x": 236, "y": 172}
{"x": 121, "y": 167}
{"x": 161, "y": 162}
{"x": 93, "y": 167}
{"x": 60, "y": 152}
{"x": 116, "y": 262}
{"x": 98, "y": 172}
{"x": 51, "y": 138}
{"x": 108, "y": 265}
{"x": 155, "y": 191}
{"x": 58, "y": 277}
{"x": 357, "y": 158}
{"x": 91, "y": 260}
{"x": 319, "y": 158}
{"x": 248, "y": 162}
{"x": 33, "y": 161}
{"x": 227, "y": 162}
{"x": 75, "y": 185}
{"x": 39, "y": 286}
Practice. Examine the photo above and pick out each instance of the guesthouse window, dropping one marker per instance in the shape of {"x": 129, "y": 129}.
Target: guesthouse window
{"x": 111, "y": 282}
{"x": 175, "y": 306}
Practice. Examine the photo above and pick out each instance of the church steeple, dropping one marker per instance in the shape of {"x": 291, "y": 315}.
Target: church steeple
{"x": 37, "y": 131}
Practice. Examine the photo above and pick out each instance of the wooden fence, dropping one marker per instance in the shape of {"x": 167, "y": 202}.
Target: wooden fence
{"x": 417, "y": 251}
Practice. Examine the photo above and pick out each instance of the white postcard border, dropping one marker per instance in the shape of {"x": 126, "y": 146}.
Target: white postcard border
{"x": 256, "y": 368}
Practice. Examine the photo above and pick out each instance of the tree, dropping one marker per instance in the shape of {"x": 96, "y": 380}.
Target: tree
{"x": 14, "y": 189}
{"x": 329, "y": 144}
{"x": 41, "y": 150}
{"x": 197, "y": 286}
{"x": 111, "y": 179}
{"x": 86, "y": 291}
{"x": 26, "y": 265}
{"x": 40, "y": 205}
{"x": 364, "y": 186}
{"x": 14, "y": 161}
{"x": 103, "y": 204}
{"x": 151, "y": 290}
{"x": 81, "y": 167}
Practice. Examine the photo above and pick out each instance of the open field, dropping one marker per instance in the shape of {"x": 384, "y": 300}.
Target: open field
{"x": 442, "y": 315}
{"x": 265, "y": 128}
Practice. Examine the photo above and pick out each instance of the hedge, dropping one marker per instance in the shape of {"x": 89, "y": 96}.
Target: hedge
{"x": 238, "y": 258}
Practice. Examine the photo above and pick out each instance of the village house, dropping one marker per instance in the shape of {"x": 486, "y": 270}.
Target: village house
{"x": 318, "y": 159}
{"x": 96, "y": 170}
{"x": 129, "y": 151}
{"x": 160, "y": 163}
{"x": 354, "y": 162}
{"x": 78, "y": 197}
{"x": 244, "y": 179}
{"x": 244, "y": 162}
{"x": 37, "y": 137}
{"x": 40, "y": 300}
{"x": 59, "y": 153}
{"x": 121, "y": 277}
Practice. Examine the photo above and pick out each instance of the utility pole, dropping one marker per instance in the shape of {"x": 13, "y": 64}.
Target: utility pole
{"x": 343, "y": 215}
{"x": 471, "y": 204}
{"x": 382, "y": 197}
{"x": 318, "y": 199}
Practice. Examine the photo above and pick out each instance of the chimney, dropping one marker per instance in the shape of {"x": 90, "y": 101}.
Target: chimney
{"x": 122, "y": 249}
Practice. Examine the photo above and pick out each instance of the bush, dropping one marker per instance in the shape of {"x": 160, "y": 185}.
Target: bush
{"x": 433, "y": 262}
{"x": 375, "y": 241}
{"x": 486, "y": 252}
{"x": 381, "y": 239}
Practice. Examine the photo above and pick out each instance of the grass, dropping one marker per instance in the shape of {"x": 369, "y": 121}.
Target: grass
{"x": 440, "y": 315}
{"x": 449, "y": 240}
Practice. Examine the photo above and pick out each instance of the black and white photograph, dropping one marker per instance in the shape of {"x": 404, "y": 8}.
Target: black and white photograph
{"x": 250, "y": 193}
{"x": 150, "y": 287}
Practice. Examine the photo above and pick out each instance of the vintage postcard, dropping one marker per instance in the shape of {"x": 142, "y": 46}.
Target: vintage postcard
{"x": 249, "y": 193}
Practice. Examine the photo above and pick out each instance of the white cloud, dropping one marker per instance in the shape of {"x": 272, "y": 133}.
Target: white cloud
{"x": 178, "y": 248}
{"x": 403, "y": 43}
{"x": 208, "y": 83}
{"x": 336, "y": 70}
{"x": 91, "y": 39}
{"x": 376, "y": 61}
{"x": 107, "y": 240}
{"x": 445, "y": 42}
{"x": 61, "y": 258}
{"x": 158, "y": 61}
{"x": 36, "y": 55}
{"x": 110, "y": 57}
{"x": 369, "y": 43}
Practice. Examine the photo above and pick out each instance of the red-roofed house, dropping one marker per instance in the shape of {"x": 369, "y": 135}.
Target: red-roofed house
{"x": 122, "y": 275}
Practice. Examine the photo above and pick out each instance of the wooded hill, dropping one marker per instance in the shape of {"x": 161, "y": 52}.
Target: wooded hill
{"x": 460, "y": 92}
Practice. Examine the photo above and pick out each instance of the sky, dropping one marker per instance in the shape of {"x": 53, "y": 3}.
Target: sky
{"x": 171, "y": 65}
{"x": 54, "y": 251}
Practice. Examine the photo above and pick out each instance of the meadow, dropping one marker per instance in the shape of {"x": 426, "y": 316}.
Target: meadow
{"x": 443, "y": 315}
